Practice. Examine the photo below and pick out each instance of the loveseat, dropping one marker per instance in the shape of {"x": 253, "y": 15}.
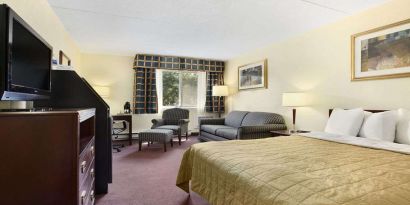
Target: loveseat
{"x": 240, "y": 125}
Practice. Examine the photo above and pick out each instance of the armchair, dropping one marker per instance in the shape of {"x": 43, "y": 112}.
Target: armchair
{"x": 175, "y": 119}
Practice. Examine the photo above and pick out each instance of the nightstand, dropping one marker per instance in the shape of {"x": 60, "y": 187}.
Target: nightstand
{"x": 277, "y": 133}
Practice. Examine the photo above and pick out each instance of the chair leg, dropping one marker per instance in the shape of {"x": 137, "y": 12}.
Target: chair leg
{"x": 186, "y": 134}
{"x": 148, "y": 143}
{"x": 139, "y": 145}
{"x": 172, "y": 143}
{"x": 179, "y": 138}
{"x": 165, "y": 146}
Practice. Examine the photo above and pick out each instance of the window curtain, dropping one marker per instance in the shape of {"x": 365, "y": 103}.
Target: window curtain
{"x": 159, "y": 90}
{"x": 145, "y": 94}
{"x": 212, "y": 103}
{"x": 201, "y": 101}
{"x": 145, "y": 85}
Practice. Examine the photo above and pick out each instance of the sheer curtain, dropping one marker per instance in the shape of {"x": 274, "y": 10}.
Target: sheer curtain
{"x": 159, "y": 90}
{"x": 201, "y": 101}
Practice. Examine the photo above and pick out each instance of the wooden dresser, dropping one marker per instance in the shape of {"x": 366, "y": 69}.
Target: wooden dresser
{"x": 47, "y": 157}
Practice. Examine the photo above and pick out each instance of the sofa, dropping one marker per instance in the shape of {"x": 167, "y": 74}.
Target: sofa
{"x": 240, "y": 125}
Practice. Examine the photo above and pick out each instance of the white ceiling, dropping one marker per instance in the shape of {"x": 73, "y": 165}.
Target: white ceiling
{"x": 216, "y": 29}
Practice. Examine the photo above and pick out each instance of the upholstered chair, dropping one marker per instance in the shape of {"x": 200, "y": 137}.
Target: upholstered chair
{"x": 175, "y": 119}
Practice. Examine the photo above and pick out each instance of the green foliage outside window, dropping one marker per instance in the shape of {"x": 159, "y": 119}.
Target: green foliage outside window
{"x": 170, "y": 86}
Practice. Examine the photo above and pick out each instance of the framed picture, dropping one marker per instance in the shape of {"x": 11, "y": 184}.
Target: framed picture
{"x": 253, "y": 75}
{"x": 382, "y": 52}
{"x": 64, "y": 59}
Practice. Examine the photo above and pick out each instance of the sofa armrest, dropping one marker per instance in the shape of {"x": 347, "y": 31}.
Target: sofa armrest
{"x": 261, "y": 128}
{"x": 157, "y": 123}
{"x": 211, "y": 121}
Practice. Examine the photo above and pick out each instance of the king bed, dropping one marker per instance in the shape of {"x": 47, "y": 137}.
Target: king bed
{"x": 313, "y": 168}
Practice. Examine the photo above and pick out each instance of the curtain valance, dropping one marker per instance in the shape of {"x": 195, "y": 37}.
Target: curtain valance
{"x": 177, "y": 63}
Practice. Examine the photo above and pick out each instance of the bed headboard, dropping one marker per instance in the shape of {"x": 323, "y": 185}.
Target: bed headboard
{"x": 373, "y": 111}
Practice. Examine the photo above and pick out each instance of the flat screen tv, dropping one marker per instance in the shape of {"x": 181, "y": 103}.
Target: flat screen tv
{"x": 25, "y": 59}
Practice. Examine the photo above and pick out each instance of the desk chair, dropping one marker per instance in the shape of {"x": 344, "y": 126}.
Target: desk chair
{"x": 117, "y": 128}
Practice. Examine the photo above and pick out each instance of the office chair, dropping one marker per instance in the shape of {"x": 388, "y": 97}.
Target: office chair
{"x": 117, "y": 128}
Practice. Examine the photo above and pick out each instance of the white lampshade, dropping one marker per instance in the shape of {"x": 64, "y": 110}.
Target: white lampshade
{"x": 294, "y": 99}
{"x": 103, "y": 91}
{"x": 220, "y": 90}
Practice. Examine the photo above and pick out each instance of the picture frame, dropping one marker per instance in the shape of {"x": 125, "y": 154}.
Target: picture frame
{"x": 64, "y": 59}
{"x": 381, "y": 53}
{"x": 253, "y": 75}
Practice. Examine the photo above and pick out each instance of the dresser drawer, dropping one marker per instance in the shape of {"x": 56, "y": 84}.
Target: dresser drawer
{"x": 86, "y": 162}
{"x": 91, "y": 200}
{"x": 87, "y": 197}
{"x": 86, "y": 191}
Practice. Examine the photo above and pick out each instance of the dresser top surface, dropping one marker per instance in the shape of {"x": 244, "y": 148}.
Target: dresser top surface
{"x": 84, "y": 113}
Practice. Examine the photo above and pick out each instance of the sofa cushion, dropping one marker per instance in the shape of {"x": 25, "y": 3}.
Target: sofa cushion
{"x": 228, "y": 133}
{"x": 261, "y": 118}
{"x": 234, "y": 118}
{"x": 210, "y": 137}
{"x": 213, "y": 128}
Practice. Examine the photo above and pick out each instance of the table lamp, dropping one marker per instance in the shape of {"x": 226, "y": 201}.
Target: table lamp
{"x": 220, "y": 91}
{"x": 294, "y": 100}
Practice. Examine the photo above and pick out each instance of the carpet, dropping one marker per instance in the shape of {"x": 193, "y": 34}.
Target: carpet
{"x": 148, "y": 177}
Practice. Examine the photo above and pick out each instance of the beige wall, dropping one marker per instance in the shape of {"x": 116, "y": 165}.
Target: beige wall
{"x": 116, "y": 73}
{"x": 318, "y": 62}
{"x": 40, "y": 16}
{"x": 112, "y": 71}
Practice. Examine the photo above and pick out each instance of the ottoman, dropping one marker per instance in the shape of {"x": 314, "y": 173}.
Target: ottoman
{"x": 155, "y": 135}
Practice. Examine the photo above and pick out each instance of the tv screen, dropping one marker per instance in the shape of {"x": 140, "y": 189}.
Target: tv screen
{"x": 30, "y": 60}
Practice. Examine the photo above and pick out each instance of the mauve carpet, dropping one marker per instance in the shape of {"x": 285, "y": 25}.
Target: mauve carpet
{"x": 148, "y": 177}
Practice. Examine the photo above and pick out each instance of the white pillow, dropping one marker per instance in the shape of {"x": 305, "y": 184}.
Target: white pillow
{"x": 345, "y": 122}
{"x": 403, "y": 127}
{"x": 379, "y": 126}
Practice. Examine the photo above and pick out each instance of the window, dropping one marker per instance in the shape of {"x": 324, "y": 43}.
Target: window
{"x": 181, "y": 88}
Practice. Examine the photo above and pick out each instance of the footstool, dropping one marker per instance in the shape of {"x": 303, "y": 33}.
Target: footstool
{"x": 156, "y": 135}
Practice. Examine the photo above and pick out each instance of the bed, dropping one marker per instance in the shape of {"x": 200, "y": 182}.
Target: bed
{"x": 314, "y": 168}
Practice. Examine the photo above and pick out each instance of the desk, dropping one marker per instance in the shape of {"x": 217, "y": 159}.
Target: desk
{"x": 127, "y": 118}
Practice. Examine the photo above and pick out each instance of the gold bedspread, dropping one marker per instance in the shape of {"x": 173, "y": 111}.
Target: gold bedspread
{"x": 294, "y": 170}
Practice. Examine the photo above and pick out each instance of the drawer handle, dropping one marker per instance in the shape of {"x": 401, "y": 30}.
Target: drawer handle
{"x": 92, "y": 173}
{"x": 92, "y": 196}
{"x": 83, "y": 194}
{"x": 92, "y": 150}
{"x": 83, "y": 166}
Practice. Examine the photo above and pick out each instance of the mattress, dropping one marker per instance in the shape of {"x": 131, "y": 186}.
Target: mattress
{"x": 313, "y": 169}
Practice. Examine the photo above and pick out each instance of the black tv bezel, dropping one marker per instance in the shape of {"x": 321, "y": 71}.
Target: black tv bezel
{"x": 13, "y": 91}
